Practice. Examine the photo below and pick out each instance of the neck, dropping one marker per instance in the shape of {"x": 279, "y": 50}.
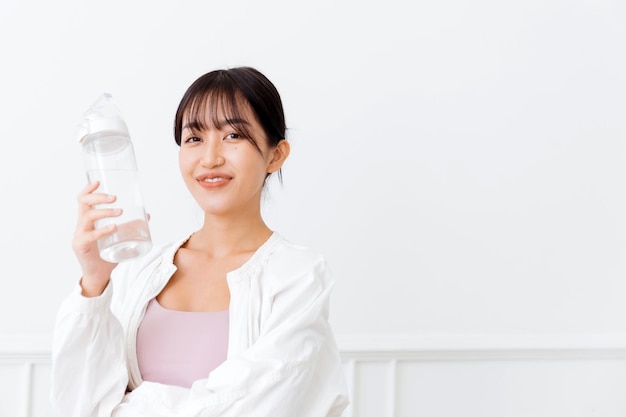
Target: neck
{"x": 220, "y": 237}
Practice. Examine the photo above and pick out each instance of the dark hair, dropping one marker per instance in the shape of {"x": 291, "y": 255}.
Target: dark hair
{"x": 226, "y": 89}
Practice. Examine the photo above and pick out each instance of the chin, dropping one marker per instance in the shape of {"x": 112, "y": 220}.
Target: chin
{"x": 214, "y": 209}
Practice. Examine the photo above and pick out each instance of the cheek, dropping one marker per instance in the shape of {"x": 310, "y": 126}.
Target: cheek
{"x": 260, "y": 165}
{"x": 184, "y": 161}
{"x": 186, "y": 168}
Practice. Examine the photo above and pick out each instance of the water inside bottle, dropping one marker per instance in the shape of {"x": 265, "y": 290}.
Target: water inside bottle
{"x": 132, "y": 238}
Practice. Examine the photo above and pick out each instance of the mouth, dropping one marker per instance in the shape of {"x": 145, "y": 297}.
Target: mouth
{"x": 213, "y": 180}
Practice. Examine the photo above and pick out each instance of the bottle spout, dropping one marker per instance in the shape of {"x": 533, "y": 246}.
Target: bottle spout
{"x": 102, "y": 115}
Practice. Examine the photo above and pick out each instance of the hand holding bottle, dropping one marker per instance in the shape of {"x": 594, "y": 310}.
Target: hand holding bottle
{"x": 96, "y": 271}
{"x": 109, "y": 159}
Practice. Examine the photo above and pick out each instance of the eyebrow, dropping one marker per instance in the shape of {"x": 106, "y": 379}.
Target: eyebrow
{"x": 196, "y": 125}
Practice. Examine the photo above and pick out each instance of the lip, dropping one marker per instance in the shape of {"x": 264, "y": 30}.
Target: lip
{"x": 220, "y": 180}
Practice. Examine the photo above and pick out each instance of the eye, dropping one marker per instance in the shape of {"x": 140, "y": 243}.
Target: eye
{"x": 192, "y": 139}
{"x": 233, "y": 136}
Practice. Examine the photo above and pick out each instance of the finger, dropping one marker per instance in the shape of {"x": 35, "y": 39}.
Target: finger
{"x": 83, "y": 242}
{"x": 90, "y": 217}
{"x": 88, "y": 190}
{"x": 87, "y": 202}
{"x": 93, "y": 199}
{"x": 90, "y": 236}
{"x": 90, "y": 187}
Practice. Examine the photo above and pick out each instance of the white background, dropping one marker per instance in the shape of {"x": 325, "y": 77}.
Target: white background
{"x": 460, "y": 163}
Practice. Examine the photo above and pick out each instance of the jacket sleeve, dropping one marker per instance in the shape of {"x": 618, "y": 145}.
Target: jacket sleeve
{"x": 292, "y": 369}
{"x": 89, "y": 376}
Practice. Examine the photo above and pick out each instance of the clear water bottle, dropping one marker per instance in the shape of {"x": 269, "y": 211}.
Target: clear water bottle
{"x": 110, "y": 158}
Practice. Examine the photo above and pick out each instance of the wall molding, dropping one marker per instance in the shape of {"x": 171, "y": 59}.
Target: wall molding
{"x": 25, "y": 354}
{"x": 36, "y": 348}
{"x": 31, "y": 348}
{"x": 470, "y": 347}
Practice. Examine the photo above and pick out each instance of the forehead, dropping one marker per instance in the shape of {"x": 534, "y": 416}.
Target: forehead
{"x": 212, "y": 110}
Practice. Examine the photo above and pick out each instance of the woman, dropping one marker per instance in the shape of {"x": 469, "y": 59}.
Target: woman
{"x": 231, "y": 320}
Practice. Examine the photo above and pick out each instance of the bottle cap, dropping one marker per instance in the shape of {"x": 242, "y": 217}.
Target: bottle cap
{"x": 103, "y": 115}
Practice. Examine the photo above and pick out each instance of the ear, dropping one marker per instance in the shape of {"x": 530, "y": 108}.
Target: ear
{"x": 278, "y": 156}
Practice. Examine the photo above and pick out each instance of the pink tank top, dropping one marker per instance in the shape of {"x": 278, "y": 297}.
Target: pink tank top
{"x": 180, "y": 347}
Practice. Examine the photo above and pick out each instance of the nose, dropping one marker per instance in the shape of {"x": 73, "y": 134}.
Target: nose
{"x": 212, "y": 156}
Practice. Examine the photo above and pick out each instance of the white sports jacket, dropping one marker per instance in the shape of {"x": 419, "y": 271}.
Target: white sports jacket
{"x": 282, "y": 358}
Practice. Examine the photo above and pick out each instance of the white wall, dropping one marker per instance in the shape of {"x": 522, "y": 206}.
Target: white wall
{"x": 461, "y": 164}
{"x": 582, "y": 380}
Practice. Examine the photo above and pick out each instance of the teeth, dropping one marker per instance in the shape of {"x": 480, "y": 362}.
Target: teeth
{"x": 216, "y": 179}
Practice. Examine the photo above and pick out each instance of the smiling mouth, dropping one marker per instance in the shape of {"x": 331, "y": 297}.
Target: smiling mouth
{"x": 215, "y": 179}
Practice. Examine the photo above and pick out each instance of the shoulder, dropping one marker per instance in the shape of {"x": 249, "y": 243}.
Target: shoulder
{"x": 291, "y": 257}
{"x": 290, "y": 263}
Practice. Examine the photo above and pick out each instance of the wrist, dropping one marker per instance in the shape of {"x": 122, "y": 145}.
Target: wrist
{"x": 92, "y": 288}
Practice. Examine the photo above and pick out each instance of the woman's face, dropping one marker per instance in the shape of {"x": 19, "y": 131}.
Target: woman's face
{"x": 223, "y": 170}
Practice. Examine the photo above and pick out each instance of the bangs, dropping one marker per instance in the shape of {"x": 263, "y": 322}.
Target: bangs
{"x": 213, "y": 108}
